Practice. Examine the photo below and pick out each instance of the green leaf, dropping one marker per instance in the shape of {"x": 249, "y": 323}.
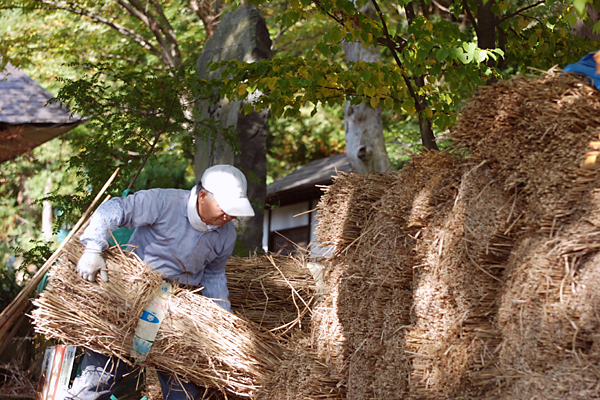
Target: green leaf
{"x": 580, "y": 7}
{"x": 481, "y": 56}
{"x": 213, "y": 66}
{"x": 336, "y": 35}
{"x": 570, "y": 18}
{"x": 422, "y": 54}
{"x": 469, "y": 48}
{"x": 462, "y": 56}
{"x": 248, "y": 109}
{"x": 370, "y": 91}
{"x": 323, "y": 48}
{"x": 388, "y": 102}
{"x": 533, "y": 39}
{"x": 442, "y": 54}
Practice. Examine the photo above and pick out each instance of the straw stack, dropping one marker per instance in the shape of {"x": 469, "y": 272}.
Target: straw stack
{"x": 197, "y": 341}
{"x": 534, "y": 133}
{"x": 545, "y": 313}
{"x": 343, "y": 215}
{"x": 473, "y": 276}
{"x": 303, "y": 375}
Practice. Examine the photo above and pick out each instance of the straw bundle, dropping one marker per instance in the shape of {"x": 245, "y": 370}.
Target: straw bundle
{"x": 197, "y": 341}
{"x": 343, "y": 215}
{"x": 303, "y": 375}
{"x": 456, "y": 286}
{"x": 274, "y": 292}
{"x": 548, "y": 316}
{"x": 366, "y": 319}
{"x": 475, "y": 277}
{"x": 534, "y": 133}
{"x": 539, "y": 131}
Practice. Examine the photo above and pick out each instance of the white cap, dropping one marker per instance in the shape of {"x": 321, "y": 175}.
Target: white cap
{"x": 228, "y": 184}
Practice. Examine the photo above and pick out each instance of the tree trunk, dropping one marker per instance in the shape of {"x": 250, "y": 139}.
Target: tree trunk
{"x": 365, "y": 144}
{"x": 583, "y": 29}
{"x": 427, "y": 136}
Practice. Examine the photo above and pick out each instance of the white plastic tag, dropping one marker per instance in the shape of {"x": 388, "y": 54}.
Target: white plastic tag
{"x": 149, "y": 322}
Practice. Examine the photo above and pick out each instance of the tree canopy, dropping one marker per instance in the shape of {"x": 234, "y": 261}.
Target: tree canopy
{"x": 129, "y": 67}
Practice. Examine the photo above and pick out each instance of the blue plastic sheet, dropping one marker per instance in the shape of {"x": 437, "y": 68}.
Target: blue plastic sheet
{"x": 586, "y": 66}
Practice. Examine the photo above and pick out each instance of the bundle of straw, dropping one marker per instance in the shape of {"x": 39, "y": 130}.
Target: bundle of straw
{"x": 198, "y": 340}
{"x": 476, "y": 276}
{"x": 275, "y": 292}
{"x": 344, "y": 213}
{"x": 534, "y": 133}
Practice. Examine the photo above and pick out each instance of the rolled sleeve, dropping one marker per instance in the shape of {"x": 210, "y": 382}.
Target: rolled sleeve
{"x": 106, "y": 219}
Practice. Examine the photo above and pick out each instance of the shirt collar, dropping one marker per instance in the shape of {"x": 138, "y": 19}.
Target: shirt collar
{"x": 192, "y": 213}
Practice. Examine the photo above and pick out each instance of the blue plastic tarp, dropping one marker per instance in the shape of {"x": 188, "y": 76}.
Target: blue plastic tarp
{"x": 586, "y": 66}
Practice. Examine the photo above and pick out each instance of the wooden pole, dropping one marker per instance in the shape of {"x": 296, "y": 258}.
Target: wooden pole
{"x": 16, "y": 307}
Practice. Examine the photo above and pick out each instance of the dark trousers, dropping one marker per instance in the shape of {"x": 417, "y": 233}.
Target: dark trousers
{"x": 101, "y": 376}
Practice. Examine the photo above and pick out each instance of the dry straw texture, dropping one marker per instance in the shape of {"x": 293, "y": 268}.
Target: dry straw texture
{"x": 275, "y": 292}
{"x": 466, "y": 275}
{"x": 473, "y": 276}
{"x": 232, "y": 356}
{"x": 197, "y": 340}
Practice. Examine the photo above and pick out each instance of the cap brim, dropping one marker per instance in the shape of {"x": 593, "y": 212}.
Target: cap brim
{"x": 238, "y": 207}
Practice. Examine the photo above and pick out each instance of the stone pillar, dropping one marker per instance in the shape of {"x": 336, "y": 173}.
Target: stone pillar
{"x": 241, "y": 35}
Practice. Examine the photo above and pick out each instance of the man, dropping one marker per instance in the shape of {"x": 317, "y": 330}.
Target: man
{"x": 185, "y": 235}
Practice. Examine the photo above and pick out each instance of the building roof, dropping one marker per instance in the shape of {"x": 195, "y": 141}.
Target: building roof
{"x": 26, "y": 121}
{"x": 301, "y": 185}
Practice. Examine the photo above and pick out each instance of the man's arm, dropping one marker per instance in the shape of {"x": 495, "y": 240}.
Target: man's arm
{"x": 143, "y": 208}
{"x": 95, "y": 239}
{"x": 106, "y": 219}
{"x": 214, "y": 280}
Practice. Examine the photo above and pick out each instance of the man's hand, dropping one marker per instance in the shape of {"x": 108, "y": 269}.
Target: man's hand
{"x": 90, "y": 263}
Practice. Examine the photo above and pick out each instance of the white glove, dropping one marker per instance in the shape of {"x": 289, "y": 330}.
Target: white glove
{"x": 90, "y": 263}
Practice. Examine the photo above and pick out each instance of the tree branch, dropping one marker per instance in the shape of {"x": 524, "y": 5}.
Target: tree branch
{"x": 163, "y": 34}
{"x": 470, "y": 16}
{"x": 518, "y": 12}
{"x": 79, "y": 10}
{"x": 204, "y": 13}
{"x": 336, "y": 19}
{"x": 157, "y": 136}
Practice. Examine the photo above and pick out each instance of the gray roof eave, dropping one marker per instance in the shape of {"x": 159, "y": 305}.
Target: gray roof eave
{"x": 303, "y": 182}
{"x": 24, "y": 101}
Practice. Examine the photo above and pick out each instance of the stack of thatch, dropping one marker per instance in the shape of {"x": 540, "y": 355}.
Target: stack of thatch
{"x": 463, "y": 276}
{"x": 473, "y": 276}
{"x": 197, "y": 340}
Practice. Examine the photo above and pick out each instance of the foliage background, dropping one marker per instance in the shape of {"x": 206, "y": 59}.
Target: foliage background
{"x": 92, "y": 67}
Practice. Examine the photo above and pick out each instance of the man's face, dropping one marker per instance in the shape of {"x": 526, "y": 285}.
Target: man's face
{"x": 210, "y": 212}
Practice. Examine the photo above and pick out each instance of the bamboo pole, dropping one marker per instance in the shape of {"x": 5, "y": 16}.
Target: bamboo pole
{"x": 16, "y": 307}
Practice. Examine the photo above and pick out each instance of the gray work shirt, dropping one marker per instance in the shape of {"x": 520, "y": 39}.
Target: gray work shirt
{"x": 166, "y": 240}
